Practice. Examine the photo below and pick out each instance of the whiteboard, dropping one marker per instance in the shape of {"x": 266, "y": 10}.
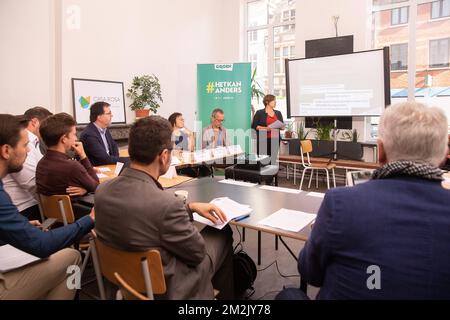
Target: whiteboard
{"x": 86, "y": 92}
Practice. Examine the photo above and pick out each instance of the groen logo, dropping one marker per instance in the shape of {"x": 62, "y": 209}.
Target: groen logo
{"x": 85, "y": 102}
{"x": 224, "y": 67}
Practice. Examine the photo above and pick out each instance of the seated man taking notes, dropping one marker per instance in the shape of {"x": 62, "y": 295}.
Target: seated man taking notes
{"x": 134, "y": 213}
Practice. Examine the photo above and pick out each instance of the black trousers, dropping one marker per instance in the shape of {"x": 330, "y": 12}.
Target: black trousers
{"x": 32, "y": 213}
{"x": 269, "y": 146}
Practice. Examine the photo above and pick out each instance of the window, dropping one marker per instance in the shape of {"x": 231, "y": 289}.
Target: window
{"x": 399, "y": 57}
{"x": 274, "y": 23}
{"x": 399, "y": 15}
{"x": 439, "y": 53}
{"x": 253, "y": 36}
{"x": 277, "y": 53}
{"x": 292, "y": 51}
{"x": 440, "y": 9}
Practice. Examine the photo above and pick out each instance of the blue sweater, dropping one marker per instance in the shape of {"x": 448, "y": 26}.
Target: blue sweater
{"x": 401, "y": 225}
{"x": 18, "y": 232}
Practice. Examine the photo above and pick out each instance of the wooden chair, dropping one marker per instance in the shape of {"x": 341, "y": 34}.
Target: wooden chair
{"x": 128, "y": 292}
{"x": 306, "y": 148}
{"x": 143, "y": 270}
{"x": 59, "y": 207}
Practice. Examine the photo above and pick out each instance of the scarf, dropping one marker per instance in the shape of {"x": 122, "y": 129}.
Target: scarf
{"x": 407, "y": 168}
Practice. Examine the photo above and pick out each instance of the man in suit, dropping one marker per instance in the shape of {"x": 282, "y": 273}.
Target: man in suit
{"x": 134, "y": 213}
{"x": 387, "y": 238}
{"x": 45, "y": 279}
{"x": 98, "y": 143}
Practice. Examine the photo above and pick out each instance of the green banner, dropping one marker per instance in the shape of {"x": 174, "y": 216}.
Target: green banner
{"x": 226, "y": 86}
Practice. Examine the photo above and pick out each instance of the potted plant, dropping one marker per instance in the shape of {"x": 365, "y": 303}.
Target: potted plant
{"x": 350, "y": 148}
{"x": 145, "y": 93}
{"x": 302, "y": 134}
{"x": 288, "y": 130}
{"x": 323, "y": 146}
{"x": 256, "y": 90}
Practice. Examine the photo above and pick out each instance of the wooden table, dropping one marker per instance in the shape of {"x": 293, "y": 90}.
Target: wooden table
{"x": 165, "y": 182}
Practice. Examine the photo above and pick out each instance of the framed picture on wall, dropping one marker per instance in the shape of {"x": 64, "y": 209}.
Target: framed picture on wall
{"x": 86, "y": 92}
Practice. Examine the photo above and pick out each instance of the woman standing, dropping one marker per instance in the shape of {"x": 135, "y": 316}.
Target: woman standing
{"x": 267, "y": 139}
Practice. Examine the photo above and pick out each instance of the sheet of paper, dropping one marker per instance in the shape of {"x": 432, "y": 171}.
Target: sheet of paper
{"x": 232, "y": 209}
{"x": 171, "y": 173}
{"x": 101, "y": 175}
{"x": 119, "y": 166}
{"x": 290, "y": 220}
{"x": 234, "y": 149}
{"x": 279, "y": 189}
{"x": 238, "y": 183}
{"x": 174, "y": 161}
{"x": 103, "y": 169}
{"x": 316, "y": 194}
{"x": 12, "y": 258}
{"x": 276, "y": 125}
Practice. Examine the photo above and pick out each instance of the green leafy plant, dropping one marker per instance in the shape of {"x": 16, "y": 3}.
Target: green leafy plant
{"x": 302, "y": 133}
{"x": 350, "y": 135}
{"x": 145, "y": 92}
{"x": 256, "y": 88}
{"x": 323, "y": 132}
{"x": 289, "y": 126}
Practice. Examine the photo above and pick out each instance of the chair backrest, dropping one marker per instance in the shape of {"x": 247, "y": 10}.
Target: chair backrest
{"x": 58, "y": 207}
{"x": 128, "y": 292}
{"x": 305, "y": 147}
{"x": 133, "y": 266}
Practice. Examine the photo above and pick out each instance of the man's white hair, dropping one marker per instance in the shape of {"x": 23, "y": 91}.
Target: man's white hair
{"x": 413, "y": 131}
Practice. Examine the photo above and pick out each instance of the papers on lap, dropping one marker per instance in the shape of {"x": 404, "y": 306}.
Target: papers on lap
{"x": 290, "y": 220}
{"x": 12, "y": 258}
{"x": 232, "y": 209}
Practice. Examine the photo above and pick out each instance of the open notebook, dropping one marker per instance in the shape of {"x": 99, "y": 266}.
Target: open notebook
{"x": 12, "y": 258}
{"x": 232, "y": 209}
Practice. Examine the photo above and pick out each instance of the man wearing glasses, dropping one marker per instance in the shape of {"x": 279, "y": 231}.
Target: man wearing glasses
{"x": 98, "y": 143}
{"x": 215, "y": 135}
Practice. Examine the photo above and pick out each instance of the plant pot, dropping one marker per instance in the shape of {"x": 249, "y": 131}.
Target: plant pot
{"x": 349, "y": 150}
{"x": 142, "y": 113}
{"x": 322, "y": 148}
{"x": 288, "y": 134}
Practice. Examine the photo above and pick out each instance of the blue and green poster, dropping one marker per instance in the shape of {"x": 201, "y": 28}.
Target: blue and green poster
{"x": 226, "y": 86}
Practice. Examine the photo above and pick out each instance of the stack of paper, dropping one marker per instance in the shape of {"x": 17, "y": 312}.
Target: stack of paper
{"x": 232, "y": 209}
{"x": 12, "y": 258}
{"x": 238, "y": 183}
{"x": 290, "y": 220}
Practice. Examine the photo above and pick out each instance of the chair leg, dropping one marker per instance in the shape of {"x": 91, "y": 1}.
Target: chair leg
{"x": 295, "y": 169}
{"x": 310, "y": 178}
{"x": 328, "y": 179}
{"x": 98, "y": 274}
{"x": 317, "y": 179}
{"x": 276, "y": 243}
{"x": 301, "y": 182}
{"x": 334, "y": 178}
{"x": 86, "y": 259}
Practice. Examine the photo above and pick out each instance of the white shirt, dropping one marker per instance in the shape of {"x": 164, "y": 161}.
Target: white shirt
{"x": 21, "y": 186}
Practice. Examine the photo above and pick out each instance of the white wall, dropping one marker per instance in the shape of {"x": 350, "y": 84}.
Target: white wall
{"x": 314, "y": 21}
{"x": 115, "y": 40}
{"x": 25, "y": 64}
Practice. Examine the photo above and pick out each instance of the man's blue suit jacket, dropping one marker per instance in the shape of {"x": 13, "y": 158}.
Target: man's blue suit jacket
{"x": 400, "y": 225}
{"x": 95, "y": 149}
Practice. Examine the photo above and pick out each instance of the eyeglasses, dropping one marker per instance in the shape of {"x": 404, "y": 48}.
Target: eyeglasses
{"x": 220, "y": 120}
{"x": 108, "y": 113}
